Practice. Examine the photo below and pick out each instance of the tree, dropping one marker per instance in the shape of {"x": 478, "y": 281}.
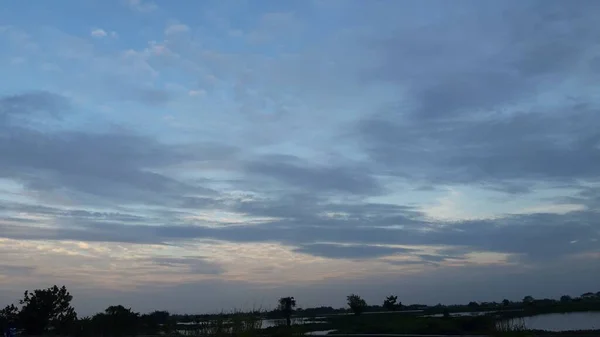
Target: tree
{"x": 565, "y": 298}
{"x": 528, "y": 300}
{"x": 8, "y": 316}
{"x": 390, "y": 303}
{"x": 286, "y": 306}
{"x": 155, "y": 322}
{"x": 356, "y": 304}
{"x": 505, "y": 302}
{"x": 473, "y": 304}
{"x": 47, "y": 310}
{"x": 116, "y": 320}
{"x": 588, "y": 295}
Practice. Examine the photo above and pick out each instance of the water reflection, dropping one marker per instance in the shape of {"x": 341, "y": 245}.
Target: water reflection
{"x": 559, "y": 322}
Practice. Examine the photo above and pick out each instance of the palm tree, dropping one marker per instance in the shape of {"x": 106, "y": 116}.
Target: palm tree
{"x": 286, "y": 305}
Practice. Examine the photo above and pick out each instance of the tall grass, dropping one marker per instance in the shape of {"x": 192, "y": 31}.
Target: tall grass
{"x": 512, "y": 327}
{"x": 236, "y": 323}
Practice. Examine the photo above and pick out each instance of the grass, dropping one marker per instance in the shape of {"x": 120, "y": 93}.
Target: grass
{"x": 409, "y": 324}
{"x": 237, "y": 323}
{"x": 250, "y": 324}
{"x": 512, "y": 328}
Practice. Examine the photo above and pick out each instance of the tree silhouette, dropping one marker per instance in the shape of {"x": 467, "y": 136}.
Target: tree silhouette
{"x": 588, "y": 295}
{"x": 356, "y": 304}
{"x": 116, "y": 320}
{"x": 47, "y": 310}
{"x": 565, "y": 298}
{"x": 286, "y": 306}
{"x": 8, "y": 316}
{"x": 473, "y": 304}
{"x": 155, "y": 322}
{"x": 505, "y": 302}
{"x": 528, "y": 300}
{"x": 390, "y": 303}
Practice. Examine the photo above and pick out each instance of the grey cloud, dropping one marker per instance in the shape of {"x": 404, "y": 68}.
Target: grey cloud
{"x": 116, "y": 164}
{"x": 32, "y": 103}
{"x": 407, "y": 262}
{"x": 14, "y": 270}
{"x": 439, "y": 258}
{"x": 296, "y": 174}
{"x": 501, "y": 152}
{"x": 110, "y": 165}
{"x": 453, "y": 285}
{"x": 462, "y": 81}
{"x": 337, "y": 251}
{"x": 195, "y": 265}
{"x": 428, "y": 259}
{"x": 530, "y": 237}
{"x": 149, "y": 96}
{"x": 469, "y": 63}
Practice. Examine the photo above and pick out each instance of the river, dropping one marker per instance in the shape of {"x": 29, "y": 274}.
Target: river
{"x": 561, "y": 322}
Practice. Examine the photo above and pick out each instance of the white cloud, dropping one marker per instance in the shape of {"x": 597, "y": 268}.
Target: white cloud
{"x": 199, "y": 92}
{"x": 552, "y": 209}
{"x": 99, "y": 33}
{"x": 141, "y": 5}
{"x": 176, "y": 29}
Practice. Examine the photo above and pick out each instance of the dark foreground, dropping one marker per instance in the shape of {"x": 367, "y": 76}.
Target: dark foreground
{"x": 394, "y": 324}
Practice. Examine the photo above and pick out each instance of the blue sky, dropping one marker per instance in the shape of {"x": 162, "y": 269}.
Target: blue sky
{"x": 232, "y": 152}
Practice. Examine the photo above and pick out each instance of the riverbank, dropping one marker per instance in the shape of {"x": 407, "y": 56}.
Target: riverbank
{"x": 397, "y": 323}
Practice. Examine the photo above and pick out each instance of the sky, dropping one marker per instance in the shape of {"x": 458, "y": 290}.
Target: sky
{"x": 199, "y": 156}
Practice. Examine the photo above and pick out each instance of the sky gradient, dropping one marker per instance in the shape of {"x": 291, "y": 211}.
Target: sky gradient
{"x": 204, "y": 155}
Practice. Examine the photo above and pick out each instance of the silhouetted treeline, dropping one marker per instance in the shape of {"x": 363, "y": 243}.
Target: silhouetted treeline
{"x": 49, "y": 312}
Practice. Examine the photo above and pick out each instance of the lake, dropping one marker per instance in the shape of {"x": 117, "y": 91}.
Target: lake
{"x": 561, "y": 322}
{"x": 266, "y": 323}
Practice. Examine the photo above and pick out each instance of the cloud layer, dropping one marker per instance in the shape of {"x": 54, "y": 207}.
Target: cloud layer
{"x": 315, "y": 145}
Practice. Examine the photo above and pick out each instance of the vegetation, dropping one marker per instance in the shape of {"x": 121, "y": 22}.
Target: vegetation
{"x": 390, "y": 303}
{"x": 388, "y": 323}
{"x": 356, "y": 304}
{"x": 42, "y": 311}
{"x": 49, "y": 312}
{"x": 286, "y": 305}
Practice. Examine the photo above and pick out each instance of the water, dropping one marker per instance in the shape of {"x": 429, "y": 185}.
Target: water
{"x": 266, "y": 323}
{"x": 319, "y": 333}
{"x": 560, "y": 322}
{"x": 462, "y": 314}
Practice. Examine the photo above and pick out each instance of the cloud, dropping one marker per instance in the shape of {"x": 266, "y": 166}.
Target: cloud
{"x": 273, "y": 26}
{"x": 176, "y": 29}
{"x": 99, "y": 33}
{"x": 317, "y": 151}
{"x": 530, "y": 238}
{"x": 141, "y": 5}
{"x": 194, "y": 265}
{"x": 86, "y": 166}
{"x": 544, "y": 147}
{"x": 295, "y": 173}
{"x": 198, "y": 92}
{"x": 32, "y": 104}
{"x": 150, "y": 96}
{"x": 14, "y": 270}
{"x": 337, "y": 251}
{"x": 466, "y": 114}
